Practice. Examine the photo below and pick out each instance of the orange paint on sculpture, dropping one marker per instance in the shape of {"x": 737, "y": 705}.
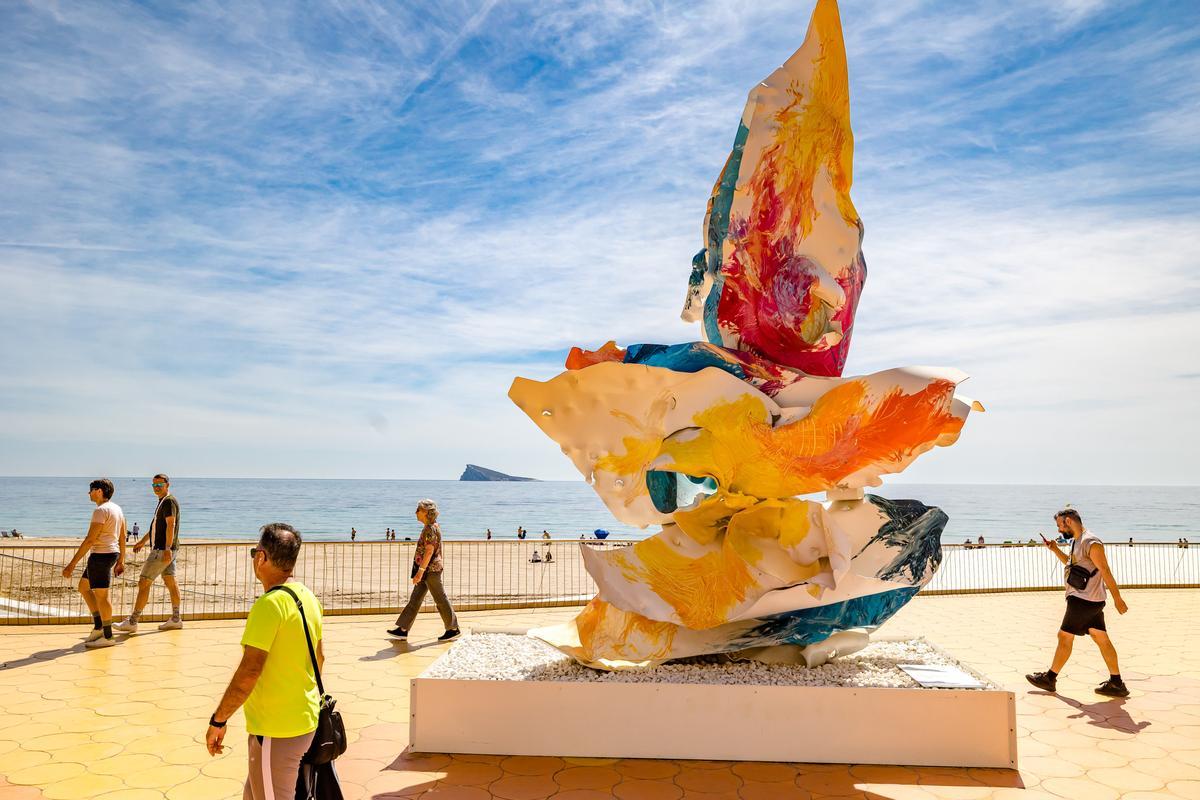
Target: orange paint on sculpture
{"x": 843, "y": 434}
{"x": 609, "y": 633}
{"x": 701, "y": 590}
{"x": 579, "y": 358}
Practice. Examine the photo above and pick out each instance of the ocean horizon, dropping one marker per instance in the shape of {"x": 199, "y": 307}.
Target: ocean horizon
{"x": 326, "y": 509}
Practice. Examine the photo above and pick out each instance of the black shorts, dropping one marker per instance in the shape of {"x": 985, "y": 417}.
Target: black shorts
{"x": 1082, "y": 616}
{"x": 98, "y": 571}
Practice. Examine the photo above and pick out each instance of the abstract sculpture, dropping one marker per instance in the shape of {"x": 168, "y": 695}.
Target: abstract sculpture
{"x": 719, "y": 441}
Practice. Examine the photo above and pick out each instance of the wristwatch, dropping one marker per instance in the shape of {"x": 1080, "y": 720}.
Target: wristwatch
{"x": 212, "y": 720}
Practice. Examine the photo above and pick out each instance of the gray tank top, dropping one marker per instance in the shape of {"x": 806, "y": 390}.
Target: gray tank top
{"x": 1080, "y": 554}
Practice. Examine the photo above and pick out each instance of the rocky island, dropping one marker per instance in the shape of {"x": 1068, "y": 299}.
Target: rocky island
{"x": 476, "y": 473}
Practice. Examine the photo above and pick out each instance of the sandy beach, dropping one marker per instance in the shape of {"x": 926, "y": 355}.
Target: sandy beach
{"x": 216, "y": 579}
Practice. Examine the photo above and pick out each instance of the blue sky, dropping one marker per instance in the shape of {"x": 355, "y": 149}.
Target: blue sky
{"x": 319, "y": 240}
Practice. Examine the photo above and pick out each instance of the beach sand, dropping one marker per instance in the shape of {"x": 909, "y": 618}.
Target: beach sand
{"x": 216, "y": 578}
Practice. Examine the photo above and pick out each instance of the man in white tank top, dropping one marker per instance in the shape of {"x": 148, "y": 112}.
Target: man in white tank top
{"x": 1085, "y": 603}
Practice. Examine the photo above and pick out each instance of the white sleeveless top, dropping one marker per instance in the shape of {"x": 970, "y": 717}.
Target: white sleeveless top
{"x": 1080, "y": 549}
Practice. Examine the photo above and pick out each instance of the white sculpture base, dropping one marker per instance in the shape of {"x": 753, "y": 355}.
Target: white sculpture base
{"x": 920, "y": 727}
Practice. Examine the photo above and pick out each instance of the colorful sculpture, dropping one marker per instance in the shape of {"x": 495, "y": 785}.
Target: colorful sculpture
{"x": 719, "y": 442}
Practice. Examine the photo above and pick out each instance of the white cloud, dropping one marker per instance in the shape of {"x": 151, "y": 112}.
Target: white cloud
{"x": 277, "y": 252}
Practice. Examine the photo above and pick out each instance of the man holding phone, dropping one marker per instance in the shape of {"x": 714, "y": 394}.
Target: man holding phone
{"x": 1086, "y": 576}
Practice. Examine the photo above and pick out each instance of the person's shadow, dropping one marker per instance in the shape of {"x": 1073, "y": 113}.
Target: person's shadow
{"x": 1105, "y": 714}
{"x": 39, "y": 657}
{"x": 395, "y": 648}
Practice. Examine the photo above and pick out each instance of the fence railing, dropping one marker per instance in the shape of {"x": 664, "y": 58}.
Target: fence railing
{"x": 217, "y": 580}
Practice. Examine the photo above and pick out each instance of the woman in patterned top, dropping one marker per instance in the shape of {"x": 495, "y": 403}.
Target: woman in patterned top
{"x": 427, "y": 577}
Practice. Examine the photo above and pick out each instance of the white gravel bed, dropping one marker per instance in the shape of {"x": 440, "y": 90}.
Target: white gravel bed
{"x": 512, "y": 657}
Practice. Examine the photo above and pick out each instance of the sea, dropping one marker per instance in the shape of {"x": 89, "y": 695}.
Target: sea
{"x": 326, "y": 510}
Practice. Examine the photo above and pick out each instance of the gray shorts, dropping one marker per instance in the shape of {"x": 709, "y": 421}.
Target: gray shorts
{"x": 155, "y": 566}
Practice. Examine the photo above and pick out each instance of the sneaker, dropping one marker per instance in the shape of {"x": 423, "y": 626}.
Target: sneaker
{"x": 1111, "y": 688}
{"x": 95, "y": 634}
{"x": 103, "y": 641}
{"x": 398, "y": 633}
{"x": 450, "y": 636}
{"x": 1043, "y": 680}
{"x": 171, "y": 625}
{"x": 125, "y": 626}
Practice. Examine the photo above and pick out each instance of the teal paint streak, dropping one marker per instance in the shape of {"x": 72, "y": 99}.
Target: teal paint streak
{"x": 718, "y": 229}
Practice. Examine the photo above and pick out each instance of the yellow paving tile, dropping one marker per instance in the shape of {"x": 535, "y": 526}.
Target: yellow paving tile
{"x": 153, "y": 694}
{"x": 206, "y": 788}
{"x": 44, "y": 774}
{"x": 82, "y": 787}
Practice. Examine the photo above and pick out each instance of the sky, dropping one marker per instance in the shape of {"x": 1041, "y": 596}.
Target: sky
{"x": 319, "y": 240}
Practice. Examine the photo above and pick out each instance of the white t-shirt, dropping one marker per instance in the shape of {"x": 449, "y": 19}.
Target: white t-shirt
{"x": 111, "y": 519}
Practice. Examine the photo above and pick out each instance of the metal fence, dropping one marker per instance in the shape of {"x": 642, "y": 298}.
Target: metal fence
{"x": 217, "y": 581}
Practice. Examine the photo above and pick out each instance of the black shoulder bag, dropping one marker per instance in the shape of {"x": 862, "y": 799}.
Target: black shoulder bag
{"x": 329, "y": 740}
{"x": 1077, "y": 574}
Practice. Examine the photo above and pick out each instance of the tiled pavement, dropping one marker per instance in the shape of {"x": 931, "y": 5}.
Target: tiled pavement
{"x": 128, "y": 722}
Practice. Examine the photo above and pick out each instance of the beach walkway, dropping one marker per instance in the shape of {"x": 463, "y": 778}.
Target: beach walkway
{"x": 127, "y": 723}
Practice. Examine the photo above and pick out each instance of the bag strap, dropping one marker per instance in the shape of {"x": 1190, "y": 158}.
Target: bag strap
{"x": 312, "y": 654}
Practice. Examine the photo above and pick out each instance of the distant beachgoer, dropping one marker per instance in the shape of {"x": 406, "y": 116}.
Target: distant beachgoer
{"x": 1085, "y": 606}
{"x": 275, "y": 678}
{"x": 164, "y": 545}
{"x": 353, "y": 534}
{"x": 536, "y": 558}
{"x": 427, "y": 571}
{"x": 489, "y": 534}
{"x": 520, "y": 533}
{"x": 549, "y": 557}
{"x": 15, "y": 534}
{"x": 106, "y": 542}
{"x": 980, "y": 542}
{"x": 1131, "y": 541}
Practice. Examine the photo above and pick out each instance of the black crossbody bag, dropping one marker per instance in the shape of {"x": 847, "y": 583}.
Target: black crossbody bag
{"x": 329, "y": 740}
{"x": 1077, "y": 574}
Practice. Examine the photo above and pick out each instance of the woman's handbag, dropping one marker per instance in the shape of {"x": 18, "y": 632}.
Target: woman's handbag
{"x": 329, "y": 740}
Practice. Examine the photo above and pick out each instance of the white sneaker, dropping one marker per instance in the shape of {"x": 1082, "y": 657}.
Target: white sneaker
{"x": 171, "y": 625}
{"x": 94, "y": 635}
{"x": 103, "y": 641}
{"x": 125, "y": 626}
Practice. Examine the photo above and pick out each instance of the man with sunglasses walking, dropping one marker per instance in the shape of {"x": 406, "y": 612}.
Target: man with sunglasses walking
{"x": 1085, "y": 604}
{"x": 276, "y": 679}
{"x": 164, "y": 545}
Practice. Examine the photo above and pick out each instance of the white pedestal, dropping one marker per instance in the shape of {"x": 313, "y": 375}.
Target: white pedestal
{"x": 926, "y": 727}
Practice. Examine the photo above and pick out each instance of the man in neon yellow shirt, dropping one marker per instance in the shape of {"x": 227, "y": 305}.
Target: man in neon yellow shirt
{"x": 275, "y": 679}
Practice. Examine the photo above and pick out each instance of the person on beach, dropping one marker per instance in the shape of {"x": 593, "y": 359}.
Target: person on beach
{"x": 536, "y": 558}
{"x": 489, "y": 534}
{"x": 1085, "y": 607}
{"x": 427, "y": 577}
{"x": 133, "y": 533}
{"x": 104, "y": 546}
{"x": 353, "y": 533}
{"x": 163, "y": 537}
{"x": 275, "y": 678}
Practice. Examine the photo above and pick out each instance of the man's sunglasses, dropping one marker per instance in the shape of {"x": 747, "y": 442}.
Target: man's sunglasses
{"x": 158, "y": 485}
